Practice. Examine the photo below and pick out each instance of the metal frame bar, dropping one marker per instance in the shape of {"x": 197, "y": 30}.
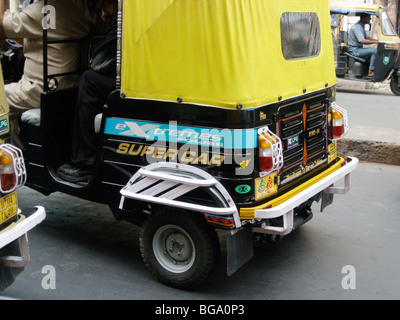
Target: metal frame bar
{"x": 164, "y": 182}
{"x": 19, "y": 169}
{"x": 46, "y": 42}
{"x": 285, "y": 209}
{"x": 45, "y": 60}
{"x": 119, "y": 44}
{"x": 19, "y": 231}
{"x": 18, "y": 261}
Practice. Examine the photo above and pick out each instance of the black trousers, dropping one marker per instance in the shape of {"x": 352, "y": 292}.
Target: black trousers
{"x": 94, "y": 89}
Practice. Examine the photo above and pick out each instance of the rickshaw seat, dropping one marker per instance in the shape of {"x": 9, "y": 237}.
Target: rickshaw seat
{"x": 97, "y": 123}
{"x": 32, "y": 117}
{"x": 359, "y": 59}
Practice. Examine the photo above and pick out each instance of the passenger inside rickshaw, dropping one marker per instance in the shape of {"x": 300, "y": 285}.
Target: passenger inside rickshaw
{"x": 57, "y": 100}
{"x": 64, "y": 57}
{"x": 94, "y": 87}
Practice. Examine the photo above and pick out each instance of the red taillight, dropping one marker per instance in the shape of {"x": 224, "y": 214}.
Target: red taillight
{"x": 265, "y": 152}
{"x": 337, "y": 132}
{"x": 7, "y": 172}
{"x": 8, "y": 181}
{"x": 338, "y": 122}
{"x": 266, "y": 163}
{"x": 270, "y": 151}
{"x": 12, "y": 168}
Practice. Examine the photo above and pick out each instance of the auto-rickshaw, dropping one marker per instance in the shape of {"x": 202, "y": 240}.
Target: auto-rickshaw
{"x": 14, "y": 224}
{"x": 387, "y": 63}
{"x": 224, "y": 118}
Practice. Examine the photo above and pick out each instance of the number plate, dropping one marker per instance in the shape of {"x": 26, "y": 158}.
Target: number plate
{"x": 8, "y": 207}
{"x": 332, "y": 149}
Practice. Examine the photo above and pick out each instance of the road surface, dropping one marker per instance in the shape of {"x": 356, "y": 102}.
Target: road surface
{"x": 350, "y": 251}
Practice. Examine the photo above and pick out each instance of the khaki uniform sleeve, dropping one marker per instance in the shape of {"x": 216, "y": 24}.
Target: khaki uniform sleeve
{"x": 24, "y": 24}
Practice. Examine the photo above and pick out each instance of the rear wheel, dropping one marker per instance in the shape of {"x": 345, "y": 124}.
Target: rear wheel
{"x": 394, "y": 85}
{"x": 179, "y": 248}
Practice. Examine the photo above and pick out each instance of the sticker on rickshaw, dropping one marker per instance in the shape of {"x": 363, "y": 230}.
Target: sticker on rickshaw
{"x": 162, "y": 153}
{"x": 3, "y": 124}
{"x": 222, "y": 221}
{"x": 265, "y": 186}
{"x": 172, "y": 133}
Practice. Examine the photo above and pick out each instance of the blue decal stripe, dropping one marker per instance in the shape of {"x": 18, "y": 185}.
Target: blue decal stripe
{"x": 226, "y": 138}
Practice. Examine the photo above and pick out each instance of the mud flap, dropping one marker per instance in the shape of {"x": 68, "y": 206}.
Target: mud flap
{"x": 326, "y": 200}
{"x": 239, "y": 246}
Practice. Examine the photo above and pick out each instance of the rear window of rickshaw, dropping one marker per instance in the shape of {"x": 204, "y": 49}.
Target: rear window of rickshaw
{"x": 300, "y": 34}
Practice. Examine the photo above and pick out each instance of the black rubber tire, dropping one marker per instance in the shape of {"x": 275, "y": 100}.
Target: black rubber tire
{"x": 196, "y": 241}
{"x": 393, "y": 86}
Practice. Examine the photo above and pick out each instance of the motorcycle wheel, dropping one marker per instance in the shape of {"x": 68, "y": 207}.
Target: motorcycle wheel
{"x": 394, "y": 85}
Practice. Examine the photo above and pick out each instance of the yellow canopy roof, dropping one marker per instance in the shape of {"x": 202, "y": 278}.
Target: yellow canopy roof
{"x": 220, "y": 53}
